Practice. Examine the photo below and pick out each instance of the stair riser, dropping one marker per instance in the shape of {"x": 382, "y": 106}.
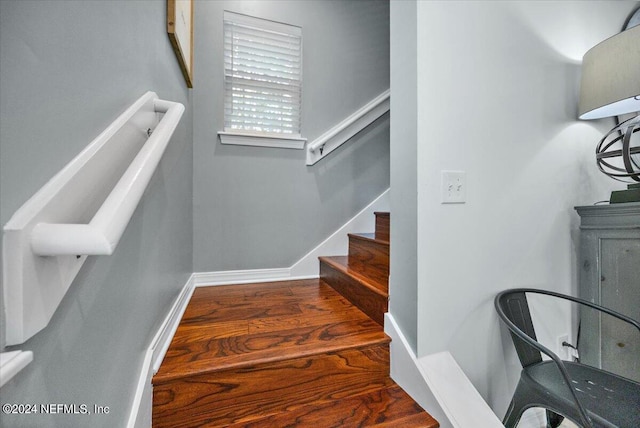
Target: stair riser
{"x": 383, "y": 221}
{"x": 369, "y": 302}
{"x": 371, "y": 253}
{"x": 244, "y": 394}
{"x": 380, "y": 275}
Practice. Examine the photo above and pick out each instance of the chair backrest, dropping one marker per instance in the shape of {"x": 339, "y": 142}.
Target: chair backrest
{"x": 514, "y": 306}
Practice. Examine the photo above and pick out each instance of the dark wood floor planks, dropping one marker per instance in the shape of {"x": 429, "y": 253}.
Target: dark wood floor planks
{"x": 277, "y": 354}
{"x": 308, "y": 353}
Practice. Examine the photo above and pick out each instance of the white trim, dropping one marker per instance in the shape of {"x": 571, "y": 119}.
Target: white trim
{"x": 163, "y": 337}
{"x": 455, "y": 393}
{"x": 438, "y": 384}
{"x": 140, "y": 415}
{"x": 343, "y": 131}
{"x": 11, "y": 363}
{"x": 338, "y": 241}
{"x": 308, "y": 266}
{"x": 245, "y": 139}
{"x": 205, "y": 279}
{"x": 405, "y": 372}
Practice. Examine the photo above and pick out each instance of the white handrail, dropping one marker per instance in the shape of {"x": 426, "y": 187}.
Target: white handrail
{"x": 11, "y": 363}
{"x": 102, "y": 234}
{"x": 83, "y": 210}
{"x": 340, "y": 133}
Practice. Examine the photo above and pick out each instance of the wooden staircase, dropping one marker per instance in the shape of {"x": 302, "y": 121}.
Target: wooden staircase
{"x": 308, "y": 353}
{"x": 363, "y": 276}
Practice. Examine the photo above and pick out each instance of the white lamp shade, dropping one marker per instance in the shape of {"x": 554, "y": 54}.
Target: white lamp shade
{"x": 611, "y": 77}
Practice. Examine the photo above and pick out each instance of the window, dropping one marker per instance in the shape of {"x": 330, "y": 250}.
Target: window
{"x": 262, "y": 82}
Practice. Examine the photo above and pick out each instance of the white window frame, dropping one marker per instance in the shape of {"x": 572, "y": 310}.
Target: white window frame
{"x": 258, "y": 138}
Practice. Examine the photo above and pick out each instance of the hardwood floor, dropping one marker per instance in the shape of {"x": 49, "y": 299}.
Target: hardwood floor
{"x": 226, "y": 327}
{"x": 287, "y": 354}
{"x": 275, "y": 355}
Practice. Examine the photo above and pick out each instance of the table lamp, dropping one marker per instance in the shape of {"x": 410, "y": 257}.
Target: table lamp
{"x": 610, "y": 87}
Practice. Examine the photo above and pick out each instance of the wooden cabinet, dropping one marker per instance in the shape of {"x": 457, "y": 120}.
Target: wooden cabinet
{"x": 609, "y": 275}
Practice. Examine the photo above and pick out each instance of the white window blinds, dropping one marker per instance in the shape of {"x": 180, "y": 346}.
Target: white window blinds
{"x": 263, "y": 76}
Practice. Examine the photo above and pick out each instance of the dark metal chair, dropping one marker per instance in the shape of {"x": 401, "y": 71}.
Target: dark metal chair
{"x": 596, "y": 398}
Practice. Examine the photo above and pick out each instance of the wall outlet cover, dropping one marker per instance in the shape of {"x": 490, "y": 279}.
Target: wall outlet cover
{"x": 561, "y": 350}
{"x": 454, "y": 187}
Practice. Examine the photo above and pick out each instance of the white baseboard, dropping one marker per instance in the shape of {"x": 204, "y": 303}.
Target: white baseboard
{"x": 206, "y": 279}
{"x": 405, "y": 372}
{"x": 458, "y": 398}
{"x": 140, "y": 415}
{"x": 307, "y": 266}
{"x": 164, "y": 335}
{"x": 438, "y": 384}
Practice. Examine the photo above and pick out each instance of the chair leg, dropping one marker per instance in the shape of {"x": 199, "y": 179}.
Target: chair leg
{"x": 513, "y": 414}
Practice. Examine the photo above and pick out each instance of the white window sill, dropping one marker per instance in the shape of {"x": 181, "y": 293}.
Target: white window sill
{"x": 245, "y": 139}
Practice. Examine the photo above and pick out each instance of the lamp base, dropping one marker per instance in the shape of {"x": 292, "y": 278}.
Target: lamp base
{"x": 632, "y": 194}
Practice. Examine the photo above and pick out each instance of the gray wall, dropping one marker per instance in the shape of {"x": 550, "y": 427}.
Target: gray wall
{"x": 404, "y": 169}
{"x": 264, "y": 208}
{"x": 67, "y": 69}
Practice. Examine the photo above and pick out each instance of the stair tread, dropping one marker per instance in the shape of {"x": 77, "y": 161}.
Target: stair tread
{"x": 245, "y": 302}
{"x": 355, "y": 270}
{"x": 207, "y": 356}
{"x": 317, "y": 320}
{"x": 388, "y": 406}
{"x": 245, "y": 394}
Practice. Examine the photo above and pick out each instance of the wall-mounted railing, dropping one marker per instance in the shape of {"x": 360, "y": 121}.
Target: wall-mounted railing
{"x": 11, "y": 363}
{"x": 83, "y": 210}
{"x": 345, "y": 130}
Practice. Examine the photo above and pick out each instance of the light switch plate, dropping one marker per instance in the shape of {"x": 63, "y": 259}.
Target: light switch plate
{"x": 454, "y": 187}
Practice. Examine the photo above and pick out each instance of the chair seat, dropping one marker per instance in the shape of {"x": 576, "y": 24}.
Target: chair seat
{"x": 610, "y": 400}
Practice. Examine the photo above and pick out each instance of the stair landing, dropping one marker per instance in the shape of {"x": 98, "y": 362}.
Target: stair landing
{"x": 280, "y": 354}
